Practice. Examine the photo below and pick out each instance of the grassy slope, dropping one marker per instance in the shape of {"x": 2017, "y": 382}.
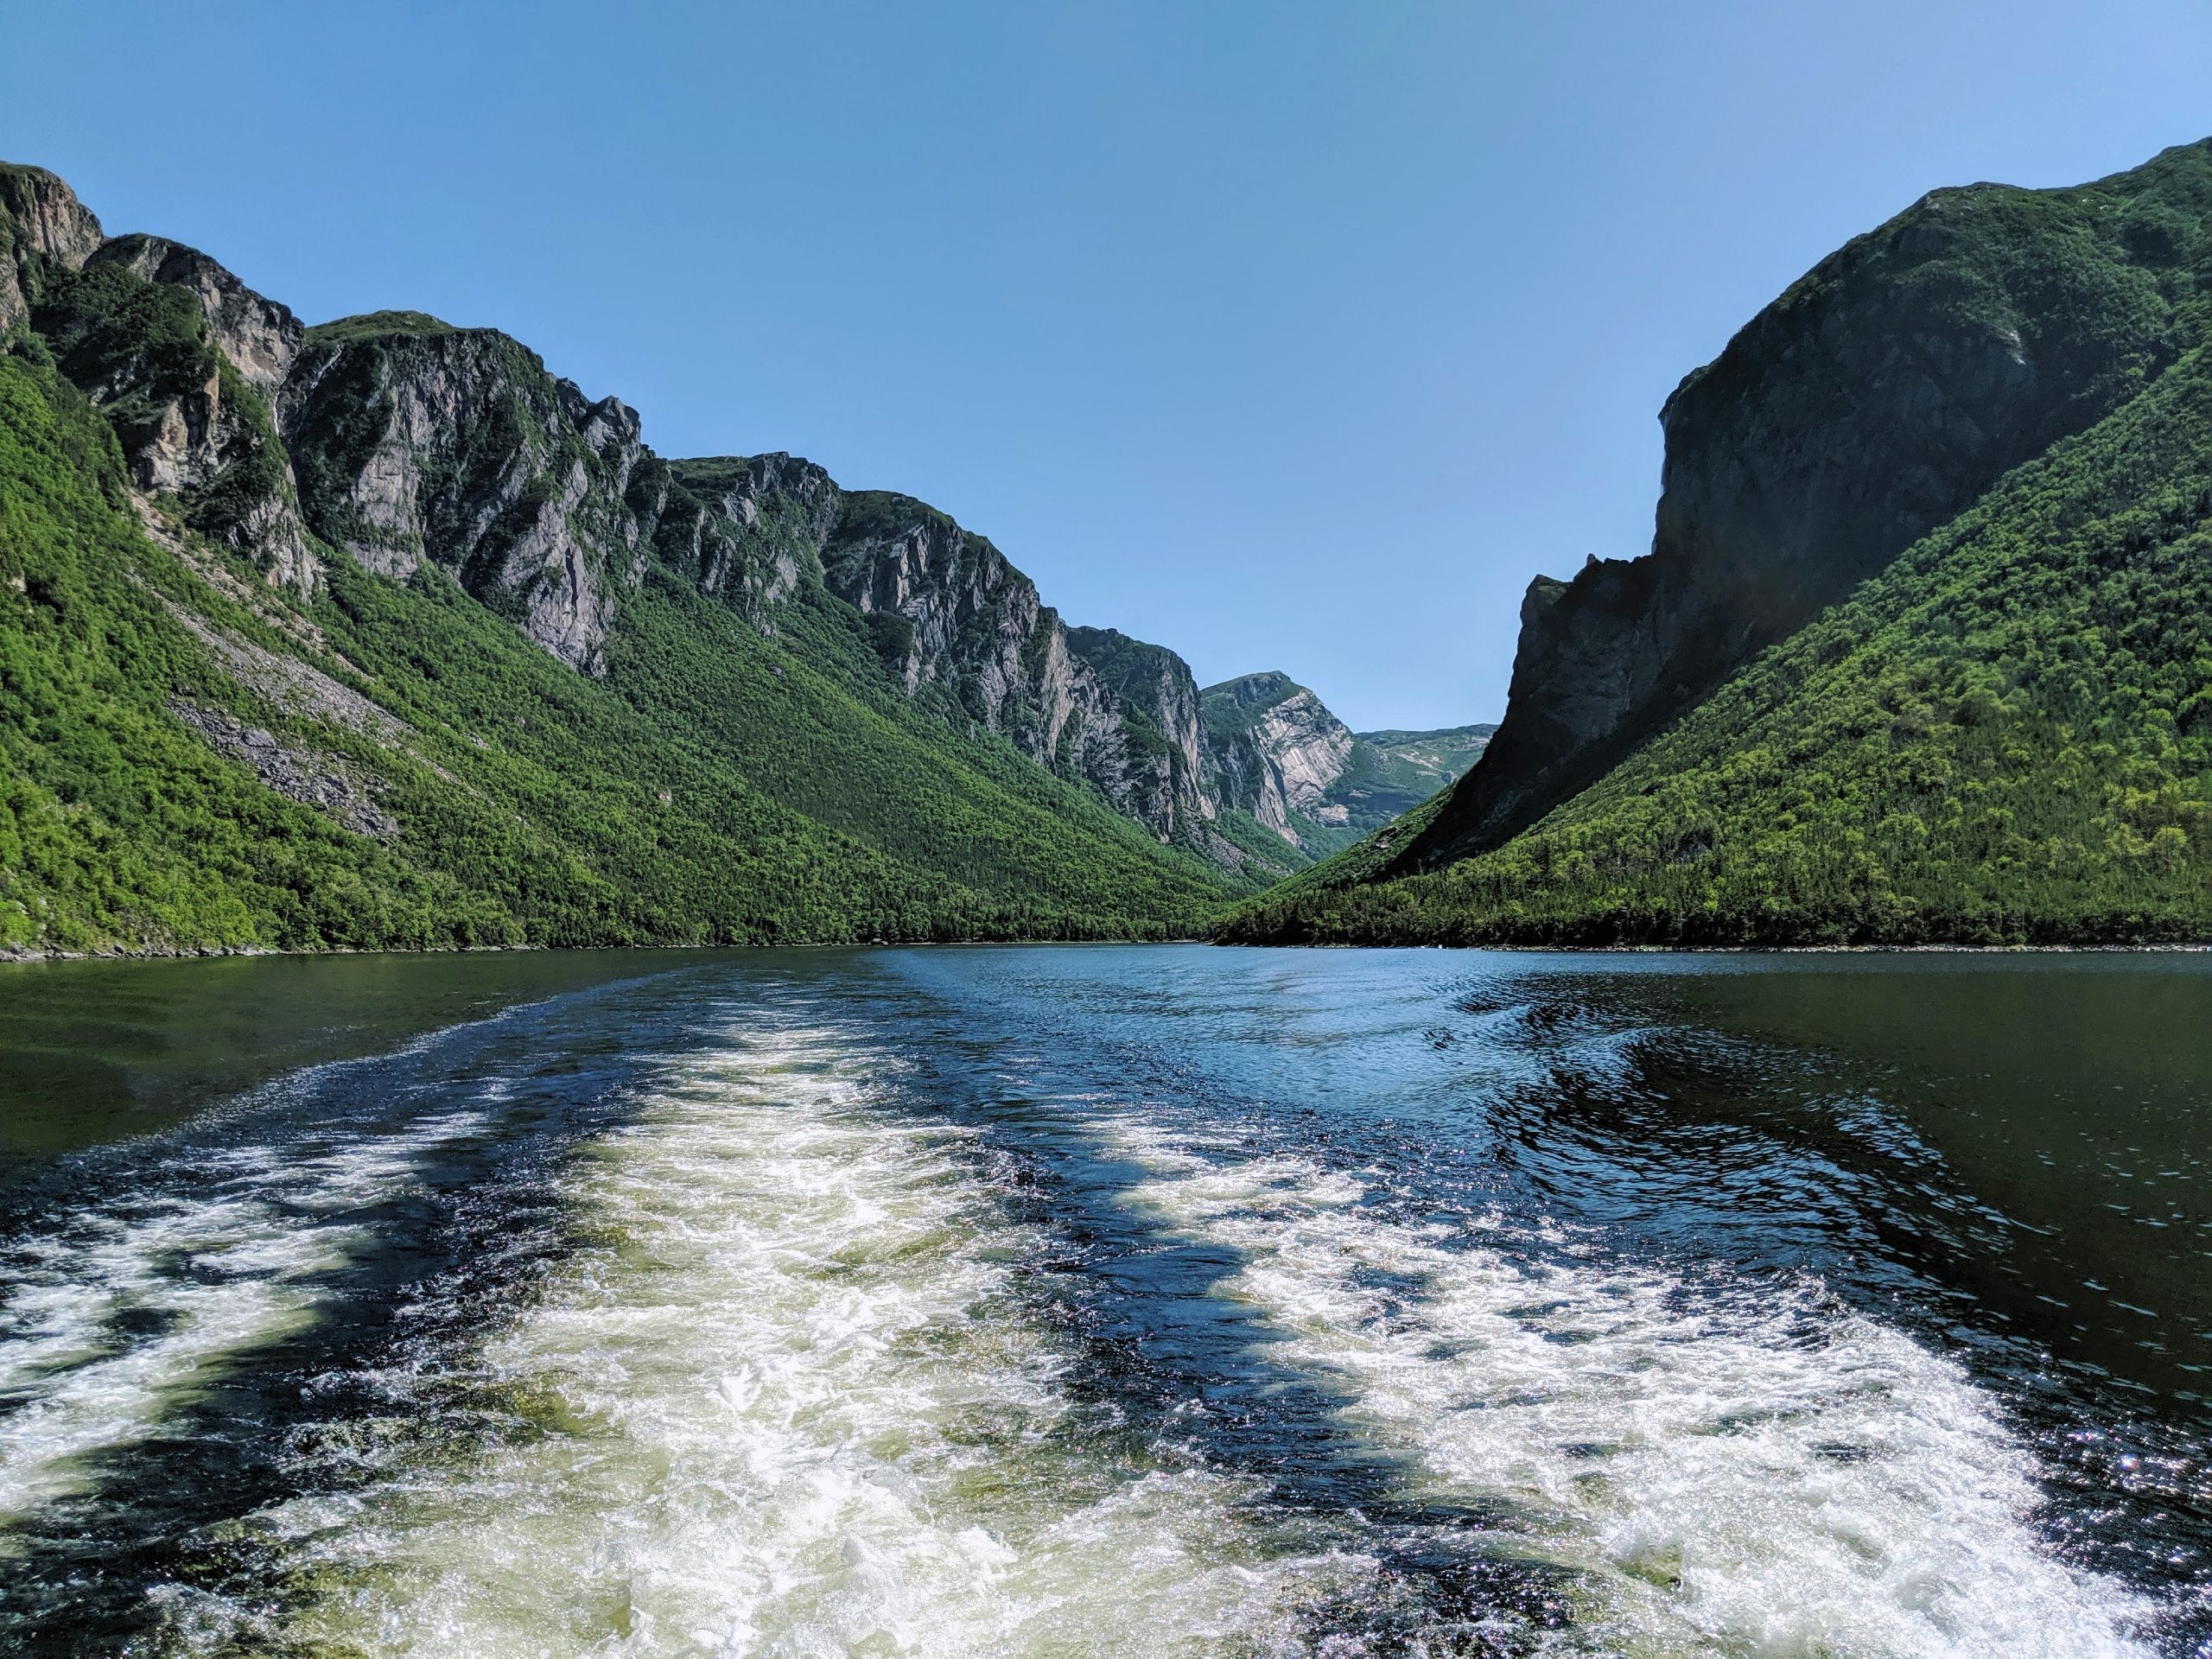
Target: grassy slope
{"x": 2005, "y": 737}
{"x": 530, "y": 798}
{"x": 1268, "y": 856}
{"x": 1439, "y": 757}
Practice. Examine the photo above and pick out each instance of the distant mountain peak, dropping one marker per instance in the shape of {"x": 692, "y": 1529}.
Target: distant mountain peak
{"x": 1269, "y": 685}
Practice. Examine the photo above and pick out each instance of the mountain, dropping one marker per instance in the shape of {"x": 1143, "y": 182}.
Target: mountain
{"x": 1277, "y": 780}
{"x": 1165, "y": 713}
{"x": 1434, "y": 760}
{"x": 1920, "y": 651}
{"x": 1280, "y": 758}
{"x": 379, "y": 634}
{"x": 1276, "y": 751}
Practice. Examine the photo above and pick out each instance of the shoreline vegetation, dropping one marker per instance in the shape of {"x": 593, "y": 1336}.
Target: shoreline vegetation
{"x": 2176, "y": 947}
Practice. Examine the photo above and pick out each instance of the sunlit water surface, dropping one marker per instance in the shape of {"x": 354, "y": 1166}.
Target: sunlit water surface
{"x": 1107, "y": 1301}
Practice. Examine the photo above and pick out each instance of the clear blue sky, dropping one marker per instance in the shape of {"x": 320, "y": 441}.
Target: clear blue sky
{"x": 1291, "y": 336}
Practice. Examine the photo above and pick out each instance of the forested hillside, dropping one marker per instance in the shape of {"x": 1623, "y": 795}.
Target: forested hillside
{"x": 2004, "y": 736}
{"x": 378, "y": 635}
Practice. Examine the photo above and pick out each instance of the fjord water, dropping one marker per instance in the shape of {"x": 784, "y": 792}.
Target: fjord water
{"x": 1103, "y": 1300}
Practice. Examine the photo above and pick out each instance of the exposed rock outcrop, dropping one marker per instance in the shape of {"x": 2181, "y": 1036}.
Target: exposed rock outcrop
{"x": 259, "y": 336}
{"x": 747, "y": 529}
{"x": 1276, "y": 750}
{"x": 949, "y": 614}
{"x": 309, "y": 776}
{"x": 42, "y": 222}
{"x": 416, "y": 443}
{"x": 1161, "y": 696}
{"x": 1880, "y": 395}
{"x": 177, "y": 352}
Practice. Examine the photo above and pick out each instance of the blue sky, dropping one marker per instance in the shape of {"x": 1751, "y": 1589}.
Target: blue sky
{"x": 1291, "y": 336}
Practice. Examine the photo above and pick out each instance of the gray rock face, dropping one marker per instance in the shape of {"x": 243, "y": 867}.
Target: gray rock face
{"x": 182, "y": 386}
{"x": 1878, "y": 398}
{"x": 307, "y": 775}
{"x": 259, "y": 336}
{"x": 41, "y": 220}
{"x": 416, "y": 443}
{"x": 1157, "y": 686}
{"x": 949, "y": 614}
{"x": 747, "y": 529}
{"x": 1266, "y": 748}
{"x": 1163, "y": 753}
{"x": 1276, "y": 752}
{"x": 264, "y": 524}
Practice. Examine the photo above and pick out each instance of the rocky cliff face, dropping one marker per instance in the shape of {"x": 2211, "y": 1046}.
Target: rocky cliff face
{"x": 747, "y": 529}
{"x": 1161, "y": 698}
{"x": 950, "y": 616}
{"x": 1265, "y": 748}
{"x": 399, "y": 442}
{"x": 1878, "y": 398}
{"x": 178, "y": 352}
{"x": 417, "y": 442}
{"x": 1276, "y": 752}
{"x": 43, "y": 227}
{"x": 259, "y": 336}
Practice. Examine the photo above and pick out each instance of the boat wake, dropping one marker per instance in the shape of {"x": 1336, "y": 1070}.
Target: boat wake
{"x": 775, "y": 1357}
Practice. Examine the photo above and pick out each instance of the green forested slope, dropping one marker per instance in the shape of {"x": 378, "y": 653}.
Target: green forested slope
{"x": 1879, "y": 396}
{"x": 714, "y": 785}
{"x": 2004, "y": 737}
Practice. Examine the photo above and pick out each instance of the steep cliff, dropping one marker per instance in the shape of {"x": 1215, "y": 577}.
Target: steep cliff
{"x": 380, "y": 633}
{"x": 747, "y": 529}
{"x": 1879, "y": 396}
{"x": 415, "y": 441}
{"x": 146, "y": 330}
{"x": 957, "y": 624}
{"x": 1274, "y": 752}
{"x": 1277, "y": 749}
{"x": 1156, "y": 685}
{"x": 44, "y": 229}
{"x": 259, "y": 336}
{"x": 1920, "y": 653}
{"x": 403, "y": 443}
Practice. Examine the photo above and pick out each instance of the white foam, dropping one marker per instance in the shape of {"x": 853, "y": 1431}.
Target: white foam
{"x": 786, "y": 1401}
{"x": 225, "y": 1262}
{"x": 1723, "y": 1469}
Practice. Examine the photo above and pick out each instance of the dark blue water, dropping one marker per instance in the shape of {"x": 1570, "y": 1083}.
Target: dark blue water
{"x": 1108, "y": 1301}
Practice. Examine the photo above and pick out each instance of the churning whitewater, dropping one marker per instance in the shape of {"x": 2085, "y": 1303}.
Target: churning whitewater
{"x": 938, "y": 1306}
{"x": 799, "y": 1409}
